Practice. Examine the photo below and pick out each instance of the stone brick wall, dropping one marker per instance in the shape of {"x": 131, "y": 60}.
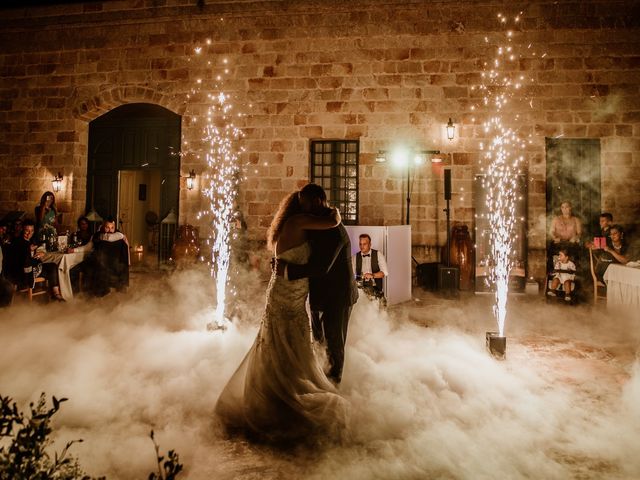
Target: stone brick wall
{"x": 384, "y": 72}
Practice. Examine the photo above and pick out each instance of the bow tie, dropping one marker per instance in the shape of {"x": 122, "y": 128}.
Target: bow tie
{"x": 367, "y": 255}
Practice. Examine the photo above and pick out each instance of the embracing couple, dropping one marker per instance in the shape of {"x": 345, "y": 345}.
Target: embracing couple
{"x": 280, "y": 390}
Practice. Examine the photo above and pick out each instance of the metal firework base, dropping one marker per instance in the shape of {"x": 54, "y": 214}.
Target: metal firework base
{"x": 213, "y": 326}
{"x": 496, "y": 345}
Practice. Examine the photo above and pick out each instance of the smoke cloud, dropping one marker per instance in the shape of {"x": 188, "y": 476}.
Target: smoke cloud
{"x": 427, "y": 401}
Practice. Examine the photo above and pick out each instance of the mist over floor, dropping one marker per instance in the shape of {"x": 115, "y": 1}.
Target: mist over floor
{"x": 427, "y": 400}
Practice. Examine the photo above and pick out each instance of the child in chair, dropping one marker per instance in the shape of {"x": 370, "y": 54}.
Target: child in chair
{"x": 563, "y": 273}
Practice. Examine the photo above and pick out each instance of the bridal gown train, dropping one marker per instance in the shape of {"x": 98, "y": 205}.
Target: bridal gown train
{"x": 280, "y": 391}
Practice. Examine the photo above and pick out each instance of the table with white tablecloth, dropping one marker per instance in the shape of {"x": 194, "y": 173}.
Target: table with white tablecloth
{"x": 65, "y": 262}
{"x": 623, "y": 285}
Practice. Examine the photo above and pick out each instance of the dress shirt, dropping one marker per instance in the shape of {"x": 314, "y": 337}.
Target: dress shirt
{"x": 112, "y": 237}
{"x": 366, "y": 263}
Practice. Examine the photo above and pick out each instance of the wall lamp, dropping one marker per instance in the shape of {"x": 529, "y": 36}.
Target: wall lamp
{"x": 191, "y": 180}
{"x": 451, "y": 129}
{"x": 57, "y": 182}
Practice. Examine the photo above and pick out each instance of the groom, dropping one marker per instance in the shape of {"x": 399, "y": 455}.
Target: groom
{"x": 332, "y": 289}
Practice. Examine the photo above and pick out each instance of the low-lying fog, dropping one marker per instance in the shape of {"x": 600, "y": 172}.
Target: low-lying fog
{"x": 427, "y": 401}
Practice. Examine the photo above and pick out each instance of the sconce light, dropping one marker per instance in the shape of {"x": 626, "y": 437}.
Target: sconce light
{"x": 381, "y": 157}
{"x": 57, "y": 182}
{"x": 451, "y": 129}
{"x": 191, "y": 180}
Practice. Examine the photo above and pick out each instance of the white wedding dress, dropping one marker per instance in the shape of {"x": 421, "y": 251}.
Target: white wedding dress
{"x": 279, "y": 391}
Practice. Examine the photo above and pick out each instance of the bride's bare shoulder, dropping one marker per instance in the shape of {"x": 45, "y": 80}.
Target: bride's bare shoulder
{"x": 290, "y": 237}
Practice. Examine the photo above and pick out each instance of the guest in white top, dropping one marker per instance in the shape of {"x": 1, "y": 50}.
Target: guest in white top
{"x": 369, "y": 265}
{"x": 563, "y": 273}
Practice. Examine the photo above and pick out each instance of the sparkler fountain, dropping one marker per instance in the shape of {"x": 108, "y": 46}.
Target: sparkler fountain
{"x": 220, "y": 135}
{"x": 220, "y": 138}
{"x": 504, "y": 158}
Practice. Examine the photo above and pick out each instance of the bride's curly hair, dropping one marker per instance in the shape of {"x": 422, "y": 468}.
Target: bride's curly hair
{"x": 289, "y": 206}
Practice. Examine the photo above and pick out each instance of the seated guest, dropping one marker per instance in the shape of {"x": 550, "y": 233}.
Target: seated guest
{"x": 4, "y": 233}
{"x": 563, "y": 274}
{"x": 605, "y": 221}
{"x": 616, "y": 253}
{"x": 6, "y": 288}
{"x": 566, "y": 227}
{"x": 24, "y": 264}
{"x": 369, "y": 265}
{"x": 16, "y": 231}
{"x": 83, "y": 234}
{"x": 108, "y": 265}
{"x": 5, "y": 249}
{"x": 565, "y": 232}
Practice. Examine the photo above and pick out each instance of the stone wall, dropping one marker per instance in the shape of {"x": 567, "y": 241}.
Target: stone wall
{"x": 384, "y": 72}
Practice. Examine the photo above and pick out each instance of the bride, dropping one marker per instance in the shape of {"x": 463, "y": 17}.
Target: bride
{"x": 279, "y": 391}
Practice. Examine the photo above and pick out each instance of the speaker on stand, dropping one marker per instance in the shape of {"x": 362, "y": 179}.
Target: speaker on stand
{"x": 448, "y": 276}
{"x": 447, "y": 197}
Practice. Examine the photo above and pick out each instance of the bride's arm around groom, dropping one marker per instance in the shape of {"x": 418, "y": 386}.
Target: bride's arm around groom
{"x": 332, "y": 288}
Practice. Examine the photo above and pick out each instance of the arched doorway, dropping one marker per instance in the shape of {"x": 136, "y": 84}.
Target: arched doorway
{"x": 133, "y": 170}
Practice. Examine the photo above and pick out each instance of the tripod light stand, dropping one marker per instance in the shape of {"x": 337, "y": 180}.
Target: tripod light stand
{"x": 408, "y": 159}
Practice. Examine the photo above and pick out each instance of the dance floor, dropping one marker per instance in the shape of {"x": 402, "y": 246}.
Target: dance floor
{"x": 427, "y": 401}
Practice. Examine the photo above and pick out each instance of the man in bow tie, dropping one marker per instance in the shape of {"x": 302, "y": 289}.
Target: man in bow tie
{"x": 369, "y": 264}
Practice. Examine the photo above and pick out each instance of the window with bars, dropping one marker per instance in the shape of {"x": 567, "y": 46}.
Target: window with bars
{"x": 334, "y": 166}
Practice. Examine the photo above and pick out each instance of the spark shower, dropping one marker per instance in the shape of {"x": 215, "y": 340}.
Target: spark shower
{"x": 501, "y": 83}
{"x": 220, "y": 147}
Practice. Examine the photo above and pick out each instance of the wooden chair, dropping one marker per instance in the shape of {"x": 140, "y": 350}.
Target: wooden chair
{"x": 34, "y": 292}
{"x": 599, "y": 288}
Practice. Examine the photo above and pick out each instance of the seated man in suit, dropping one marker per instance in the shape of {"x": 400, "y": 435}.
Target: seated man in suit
{"x": 370, "y": 267}
{"x": 108, "y": 265}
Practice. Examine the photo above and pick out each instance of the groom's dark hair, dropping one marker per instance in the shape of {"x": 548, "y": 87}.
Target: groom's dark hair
{"x": 312, "y": 190}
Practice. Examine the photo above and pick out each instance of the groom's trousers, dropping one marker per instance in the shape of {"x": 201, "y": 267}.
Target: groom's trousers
{"x": 331, "y": 325}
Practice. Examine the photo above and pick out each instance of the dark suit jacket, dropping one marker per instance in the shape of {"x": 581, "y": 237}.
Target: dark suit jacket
{"x": 329, "y": 269}
{"x": 18, "y": 257}
{"x": 111, "y": 263}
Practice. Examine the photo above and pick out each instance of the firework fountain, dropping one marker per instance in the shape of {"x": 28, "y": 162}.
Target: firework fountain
{"x": 220, "y": 138}
{"x": 501, "y": 80}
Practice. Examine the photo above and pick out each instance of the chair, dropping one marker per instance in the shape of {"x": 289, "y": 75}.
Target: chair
{"x": 599, "y": 287}
{"x": 31, "y": 291}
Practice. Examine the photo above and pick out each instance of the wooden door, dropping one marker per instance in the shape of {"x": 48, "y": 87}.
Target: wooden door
{"x": 573, "y": 174}
{"x": 126, "y": 203}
